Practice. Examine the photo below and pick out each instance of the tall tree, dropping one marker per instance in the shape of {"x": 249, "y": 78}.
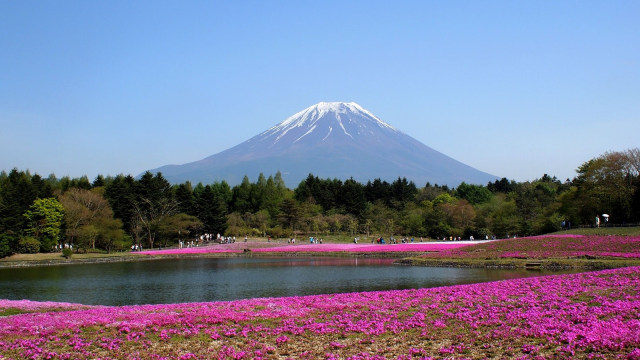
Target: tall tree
{"x": 185, "y": 199}
{"x": 44, "y": 222}
{"x": 153, "y": 201}
{"x": 212, "y": 211}
{"x": 352, "y": 198}
{"x": 17, "y": 194}
{"x": 241, "y": 197}
{"x": 606, "y": 185}
{"x": 86, "y": 213}
{"x": 474, "y": 194}
{"x": 179, "y": 227}
{"x": 290, "y": 213}
{"x": 121, "y": 196}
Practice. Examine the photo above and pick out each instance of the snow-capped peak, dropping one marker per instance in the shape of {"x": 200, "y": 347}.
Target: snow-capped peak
{"x": 308, "y": 118}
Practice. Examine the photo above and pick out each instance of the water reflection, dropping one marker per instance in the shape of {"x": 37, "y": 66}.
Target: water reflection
{"x": 210, "y": 279}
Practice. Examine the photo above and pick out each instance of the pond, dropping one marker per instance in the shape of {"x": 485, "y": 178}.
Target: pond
{"x": 213, "y": 279}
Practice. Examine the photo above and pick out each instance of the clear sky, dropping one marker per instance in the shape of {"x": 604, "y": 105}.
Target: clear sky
{"x": 513, "y": 88}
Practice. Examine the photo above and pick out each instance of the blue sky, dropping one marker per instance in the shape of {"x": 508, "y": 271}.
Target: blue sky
{"x": 513, "y": 88}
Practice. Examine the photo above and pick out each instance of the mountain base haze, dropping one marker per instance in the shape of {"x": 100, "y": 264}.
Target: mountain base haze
{"x": 330, "y": 140}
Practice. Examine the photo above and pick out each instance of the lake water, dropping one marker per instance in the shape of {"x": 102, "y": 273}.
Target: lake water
{"x": 212, "y": 279}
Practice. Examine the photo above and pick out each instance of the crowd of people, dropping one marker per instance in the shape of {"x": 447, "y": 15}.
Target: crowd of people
{"x": 206, "y": 239}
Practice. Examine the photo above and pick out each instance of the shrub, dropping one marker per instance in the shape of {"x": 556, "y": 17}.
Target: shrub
{"x": 6, "y": 241}
{"x": 47, "y": 244}
{"x": 28, "y": 245}
{"x": 67, "y": 252}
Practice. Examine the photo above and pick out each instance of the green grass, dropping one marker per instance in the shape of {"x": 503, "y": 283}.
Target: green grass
{"x": 632, "y": 231}
{"x": 551, "y": 263}
{"x": 10, "y": 311}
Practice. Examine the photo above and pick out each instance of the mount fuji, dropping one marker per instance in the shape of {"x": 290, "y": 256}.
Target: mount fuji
{"x": 330, "y": 140}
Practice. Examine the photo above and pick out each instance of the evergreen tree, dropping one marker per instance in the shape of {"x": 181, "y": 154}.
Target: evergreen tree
{"x": 153, "y": 201}
{"x": 98, "y": 181}
{"x": 185, "y": 199}
{"x": 241, "y": 197}
{"x": 120, "y": 193}
{"x": 16, "y": 196}
{"x": 352, "y": 198}
{"x": 212, "y": 211}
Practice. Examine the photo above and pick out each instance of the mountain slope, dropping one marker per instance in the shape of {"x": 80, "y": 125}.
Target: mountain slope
{"x": 331, "y": 140}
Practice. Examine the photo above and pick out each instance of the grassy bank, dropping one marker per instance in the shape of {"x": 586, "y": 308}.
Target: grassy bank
{"x": 548, "y": 251}
{"x": 44, "y": 259}
{"x": 551, "y": 263}
{"x": 617, "y": 231}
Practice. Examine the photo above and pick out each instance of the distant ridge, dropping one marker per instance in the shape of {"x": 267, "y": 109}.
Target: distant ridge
{"x": 331, "y": 140}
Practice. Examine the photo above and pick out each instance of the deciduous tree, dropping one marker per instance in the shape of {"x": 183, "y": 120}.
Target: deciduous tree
{"x": 44, "y": 222}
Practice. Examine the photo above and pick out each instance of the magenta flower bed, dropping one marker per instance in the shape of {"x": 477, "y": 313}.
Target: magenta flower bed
{"x": 193, "y": 250}
{"x": 360, "y": 248}
{"x": 589, "y": 315}
{"x": 554, "y": 246}
{"x": 266, "y": 248}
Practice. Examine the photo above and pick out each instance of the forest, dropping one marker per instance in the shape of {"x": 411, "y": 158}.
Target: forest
{"x": 113, "y": 213}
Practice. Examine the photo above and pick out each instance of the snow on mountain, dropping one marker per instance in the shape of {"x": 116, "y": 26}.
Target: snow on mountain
{"x": 351, "y": 113}
{"x": 334, "y": 140}
{"x": 319, "y": 121}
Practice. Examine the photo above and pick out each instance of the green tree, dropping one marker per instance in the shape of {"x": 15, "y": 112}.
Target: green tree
{"x": 111, "y": 236}
{"x": 474, "y": 194}
{"x": 185, "y": 199}
{"x": 98, "y": 181}
{"x": 6, "y": 245}
{"x": 18, "y": 191}
{"x": 241, "y": 197}
{"x": 606, "y": 185}
{"x": 290, "y": 214}
{"x": 121, "y": 196}
{"x": 352, "y": 198}
{"x": 412, "y": 221}
{"x": 84, "y": 210}
{"x": 212, "y": 211}
{"x": 178, "y": 227}
{"x": 44, "y": 222}
{"x": 505, "y": 220}
{"x": 152, "y": 203}
{"x": 403, "y": 192}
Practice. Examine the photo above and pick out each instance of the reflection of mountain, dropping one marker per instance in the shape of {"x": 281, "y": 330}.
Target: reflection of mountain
{"x": 330, "y": 140}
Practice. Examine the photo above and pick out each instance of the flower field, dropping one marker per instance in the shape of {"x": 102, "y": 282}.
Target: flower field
{"x": 542, "y": 247}
{"x": 362, "y": 248}
{"x": 307, "y": 248}
{"x": 594, "y": 315}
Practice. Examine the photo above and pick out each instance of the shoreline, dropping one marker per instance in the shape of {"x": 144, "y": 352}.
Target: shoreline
{"x": 402, "y": 258}
{"x": 529, "y": 264}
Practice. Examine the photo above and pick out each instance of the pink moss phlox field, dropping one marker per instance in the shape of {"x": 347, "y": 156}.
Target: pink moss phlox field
{"x": 593, "y": 315}
{"x": 362, "y": 248}
{"x": 193, "y": 250}
{"x": 311, "y": 248}
{"x": 550, "y": 246}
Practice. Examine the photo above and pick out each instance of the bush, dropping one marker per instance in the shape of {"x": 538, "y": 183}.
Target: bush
{"x": 28, "y": 245}
{"x": 6, "y": 241}
{"x": 67, "y": 252}
{"x": 47, "y": 244}
{"x": 276, "y": 232}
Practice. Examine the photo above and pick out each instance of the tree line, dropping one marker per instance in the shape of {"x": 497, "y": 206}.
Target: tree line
{"x": 112, "y": 213}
